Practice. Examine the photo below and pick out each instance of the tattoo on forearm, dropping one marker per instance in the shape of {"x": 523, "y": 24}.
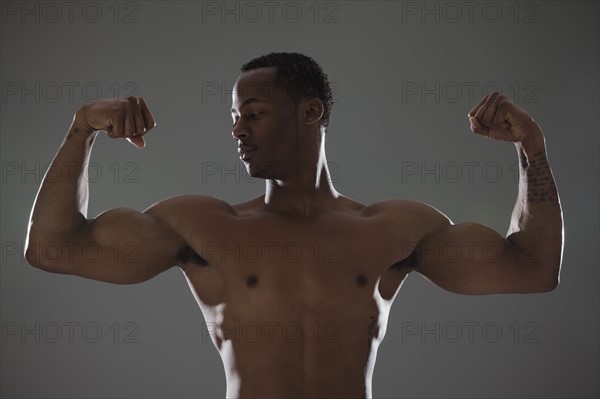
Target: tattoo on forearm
{"x": 72, "y": 131}
{"x": 540, "y": 184}
{"x": 75, "y": 130}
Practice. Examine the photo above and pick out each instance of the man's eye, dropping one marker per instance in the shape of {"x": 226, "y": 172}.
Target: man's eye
{"x": 254, "y": 115}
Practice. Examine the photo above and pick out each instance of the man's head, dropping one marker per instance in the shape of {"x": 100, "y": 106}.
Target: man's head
{"x": 281, "y": 108}
{"x": 300, "y": 77}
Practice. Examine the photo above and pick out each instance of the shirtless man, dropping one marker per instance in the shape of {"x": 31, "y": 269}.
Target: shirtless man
{"x": 296, "y": 285}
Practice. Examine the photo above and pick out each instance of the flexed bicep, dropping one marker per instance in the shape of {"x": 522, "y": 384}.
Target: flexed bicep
{"x": 121, "y": 246}
{"x": 473, "y": 259}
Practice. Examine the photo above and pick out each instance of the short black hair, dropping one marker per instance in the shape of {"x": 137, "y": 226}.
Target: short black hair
{"x": 301, "y": 77}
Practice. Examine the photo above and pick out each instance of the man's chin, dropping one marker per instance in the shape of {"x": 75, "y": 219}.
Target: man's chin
{"x": 259, "y": 170}
{"x": 268, "y": 171}
{"x": 256, "y": 172}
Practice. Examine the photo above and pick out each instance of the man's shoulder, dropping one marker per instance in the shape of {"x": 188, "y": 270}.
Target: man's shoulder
{"x": 189, "y": 204}
{"x": 409, "y": 212}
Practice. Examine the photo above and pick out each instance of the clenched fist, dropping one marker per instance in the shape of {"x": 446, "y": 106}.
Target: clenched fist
{"x": 127, "y": 118}
{"x": 498, "y": 118}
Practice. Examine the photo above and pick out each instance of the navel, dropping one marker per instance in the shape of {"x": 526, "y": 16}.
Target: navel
{"x": 361, "y": 280}
{"x": 251, "y": 281}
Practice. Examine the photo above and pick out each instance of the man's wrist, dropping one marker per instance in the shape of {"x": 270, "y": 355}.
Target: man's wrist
{"x": 81, "y": 122}
{"x": 80, "y": 129}
{"x": 534, "y": 143}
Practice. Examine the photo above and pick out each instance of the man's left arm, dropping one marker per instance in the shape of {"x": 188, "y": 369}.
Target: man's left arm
{"x": 529, "y": 258}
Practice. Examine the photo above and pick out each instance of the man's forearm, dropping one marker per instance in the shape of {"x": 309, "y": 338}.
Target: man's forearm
{"x": 537, "y": 227}
{"x": 61, "y": 203}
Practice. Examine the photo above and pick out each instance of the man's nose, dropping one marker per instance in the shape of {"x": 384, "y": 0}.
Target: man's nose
{"x": 239, "y": 132}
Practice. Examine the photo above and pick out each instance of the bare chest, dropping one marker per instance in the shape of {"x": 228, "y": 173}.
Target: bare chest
{"x": 262, "y": 270}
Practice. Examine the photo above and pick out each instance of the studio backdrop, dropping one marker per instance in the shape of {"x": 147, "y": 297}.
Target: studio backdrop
{"x": 404, "y": 74}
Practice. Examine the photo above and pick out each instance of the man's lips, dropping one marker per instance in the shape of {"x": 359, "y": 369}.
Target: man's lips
{"x": 246, "y": 152}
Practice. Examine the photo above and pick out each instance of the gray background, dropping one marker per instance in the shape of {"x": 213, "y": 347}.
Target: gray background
{"x": 544, "y": 55}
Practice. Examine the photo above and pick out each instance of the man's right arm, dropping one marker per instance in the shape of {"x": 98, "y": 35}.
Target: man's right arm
{"x": 121, "y": 245}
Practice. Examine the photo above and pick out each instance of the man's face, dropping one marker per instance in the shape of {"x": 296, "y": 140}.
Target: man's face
{"x": 265, "y": 125}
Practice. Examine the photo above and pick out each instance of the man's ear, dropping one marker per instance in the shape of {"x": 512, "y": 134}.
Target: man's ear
{"x": 312, "y": 111}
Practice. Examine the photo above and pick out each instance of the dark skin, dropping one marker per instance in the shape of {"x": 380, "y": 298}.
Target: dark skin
{"x": 296, "y": 285}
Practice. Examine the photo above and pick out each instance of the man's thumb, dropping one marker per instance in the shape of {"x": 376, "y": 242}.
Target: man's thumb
{"x": 137, "y": 141}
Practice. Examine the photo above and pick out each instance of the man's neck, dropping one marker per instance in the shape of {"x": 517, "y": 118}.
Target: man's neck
{"x": 304, "y": 195}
